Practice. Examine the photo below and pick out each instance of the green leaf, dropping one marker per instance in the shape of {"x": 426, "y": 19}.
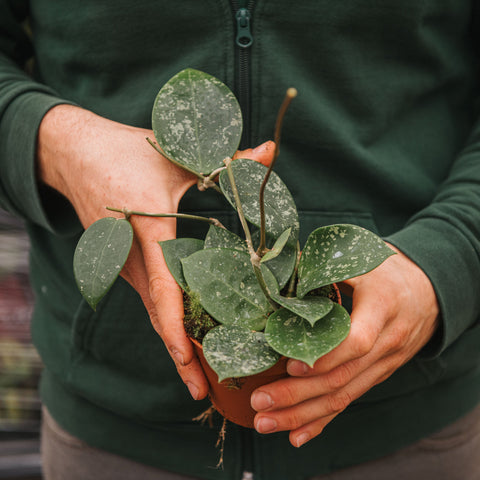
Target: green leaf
{"x": 227, "y": 286}
{"x": 221, "y": 238}
{"x": 311, "y": 308}
{"x": 234, "y": 351}
{"x": 197, "y": 121}
{"x": 278, "y": 246}
{"x": 280, "y": 210}
{"x": 174, "y": 251}
{"x": 294, "y": 337}
{"x": 282, "y": 266}
{"x": 338, "y": 252}
{"x": 99, "y": 257}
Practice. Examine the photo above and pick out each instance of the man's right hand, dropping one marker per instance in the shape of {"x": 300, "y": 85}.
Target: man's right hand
{"x": 95, "y": 163}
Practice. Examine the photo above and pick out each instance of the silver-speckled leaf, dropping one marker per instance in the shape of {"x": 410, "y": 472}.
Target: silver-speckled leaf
{"x": 227, "y": 286}
{"x": 277, "y": 248}
{"x": 197, "y": 121}
{"x": 233, "y": 351}
{"x": 311, "y": 308}
{"x": 99, "y": 257}
{"x": 221, "y": 238}
{"x": 280, "y": 209}
{"x": 294, "y": 337}
{"x": 337, "y": 252}
{"x": 283, "y": 265}
{"x": 174, "y": 251}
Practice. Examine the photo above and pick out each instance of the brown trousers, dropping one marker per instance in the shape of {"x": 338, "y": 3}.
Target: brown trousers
{"x": 451, "y": 454}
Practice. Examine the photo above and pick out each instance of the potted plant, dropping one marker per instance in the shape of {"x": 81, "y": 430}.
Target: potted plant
{"x": 254, "y": 300}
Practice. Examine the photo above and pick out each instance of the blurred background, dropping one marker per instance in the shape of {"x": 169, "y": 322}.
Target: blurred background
{"x": 20, "y": 365}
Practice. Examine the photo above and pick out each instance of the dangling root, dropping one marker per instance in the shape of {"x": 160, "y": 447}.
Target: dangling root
{"x": 221, "y": 443}
{"x": 205, "y": 416}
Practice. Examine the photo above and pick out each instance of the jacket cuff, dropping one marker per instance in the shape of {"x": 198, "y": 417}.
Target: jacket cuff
{"x": 23, "y": 194}
{"x": 452, "y": 264}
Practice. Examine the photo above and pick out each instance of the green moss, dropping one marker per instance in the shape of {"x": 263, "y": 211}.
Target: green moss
{"x": 197, "y": 321}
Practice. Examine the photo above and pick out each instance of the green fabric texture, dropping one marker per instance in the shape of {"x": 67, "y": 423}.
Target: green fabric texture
{"x": 383, "y": 134}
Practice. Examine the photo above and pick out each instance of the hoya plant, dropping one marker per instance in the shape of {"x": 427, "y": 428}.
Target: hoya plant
{"x": 264, "y": 294}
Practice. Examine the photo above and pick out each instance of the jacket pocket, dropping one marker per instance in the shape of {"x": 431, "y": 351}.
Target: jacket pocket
{"x": 461, "y": 356}
{"x": 311, "y": 220}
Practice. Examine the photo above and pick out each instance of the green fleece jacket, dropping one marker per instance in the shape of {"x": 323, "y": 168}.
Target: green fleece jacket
{"x": 383, "y": 134}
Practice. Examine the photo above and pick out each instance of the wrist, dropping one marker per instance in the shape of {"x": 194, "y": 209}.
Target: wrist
{"x": 57, "y": 145}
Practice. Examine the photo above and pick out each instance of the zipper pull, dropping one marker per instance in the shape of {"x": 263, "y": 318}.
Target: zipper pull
{"x": 244, "y": 35}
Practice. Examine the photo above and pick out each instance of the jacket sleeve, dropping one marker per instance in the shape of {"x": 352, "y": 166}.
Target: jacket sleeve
{"x": 444, "y": 240}
{"x": 23, "y": 103}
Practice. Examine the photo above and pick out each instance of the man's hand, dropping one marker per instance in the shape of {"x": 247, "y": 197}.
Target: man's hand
{"x": 394, "y": 315}
{"x": 95, "y": 163}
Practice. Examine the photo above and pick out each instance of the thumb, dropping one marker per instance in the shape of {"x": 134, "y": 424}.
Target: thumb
{"x": 263, "y": 153}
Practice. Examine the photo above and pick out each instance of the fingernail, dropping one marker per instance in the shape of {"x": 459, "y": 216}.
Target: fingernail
{"x": 193, "y": 389}
{"x": 265, "y": 425}
{"x": 261, "y": 401}
{"x": 301, "y": 439}
{"x": 296, "y": 368}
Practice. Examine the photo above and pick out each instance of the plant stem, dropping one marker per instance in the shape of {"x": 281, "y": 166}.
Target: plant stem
{"x": 128, "y": 213}
{"x": 293, "y": 278}
{"x": 289, "y": 96}
{"x": 263, "y": 286}
{"x": 254, "y": 258}
{"x": 209, "y": 181}
{"x": 241, "y": 215}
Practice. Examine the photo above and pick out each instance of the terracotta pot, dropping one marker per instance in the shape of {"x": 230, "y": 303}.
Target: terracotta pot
{"x": 231, "y": 397}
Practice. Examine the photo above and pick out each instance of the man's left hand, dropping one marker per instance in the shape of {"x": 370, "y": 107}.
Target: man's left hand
{"x": 394, "y": 314}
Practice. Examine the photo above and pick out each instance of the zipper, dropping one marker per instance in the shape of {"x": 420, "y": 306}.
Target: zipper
{"x": 244, "y": 37}
{"x": 242, "y": 11}
{"x": 243, "y": 42}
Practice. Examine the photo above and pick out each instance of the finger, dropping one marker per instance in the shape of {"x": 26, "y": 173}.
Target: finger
{"x": 164, "y": 302}
{"x": 263, "y": 153}
{"x": 303, "y": 435}
{"x": 303, "y": 414}
{"x": 294, "y": 390}
{"x": 307, "y": 432}
{"x": 395, "y": 342}
{"x": 192, "y": 373}
{"x": 312, "y": 415}
{"x": 162, "y": 288}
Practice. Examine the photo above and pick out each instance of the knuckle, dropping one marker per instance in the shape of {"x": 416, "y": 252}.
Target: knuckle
{"x": 339, "y": 401}
{"x": 338, "y": 378}
{"x": 158, "y": 286}
{"x": 288, "y": 394}
{"x": 155, "y": 284}
{"x": 363, "y": 343}
{"x": 295, "y": 420}
{"x": 397, "y": 338}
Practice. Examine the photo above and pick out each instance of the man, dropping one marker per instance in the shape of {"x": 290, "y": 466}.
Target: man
{"x": 383, "y": 135}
